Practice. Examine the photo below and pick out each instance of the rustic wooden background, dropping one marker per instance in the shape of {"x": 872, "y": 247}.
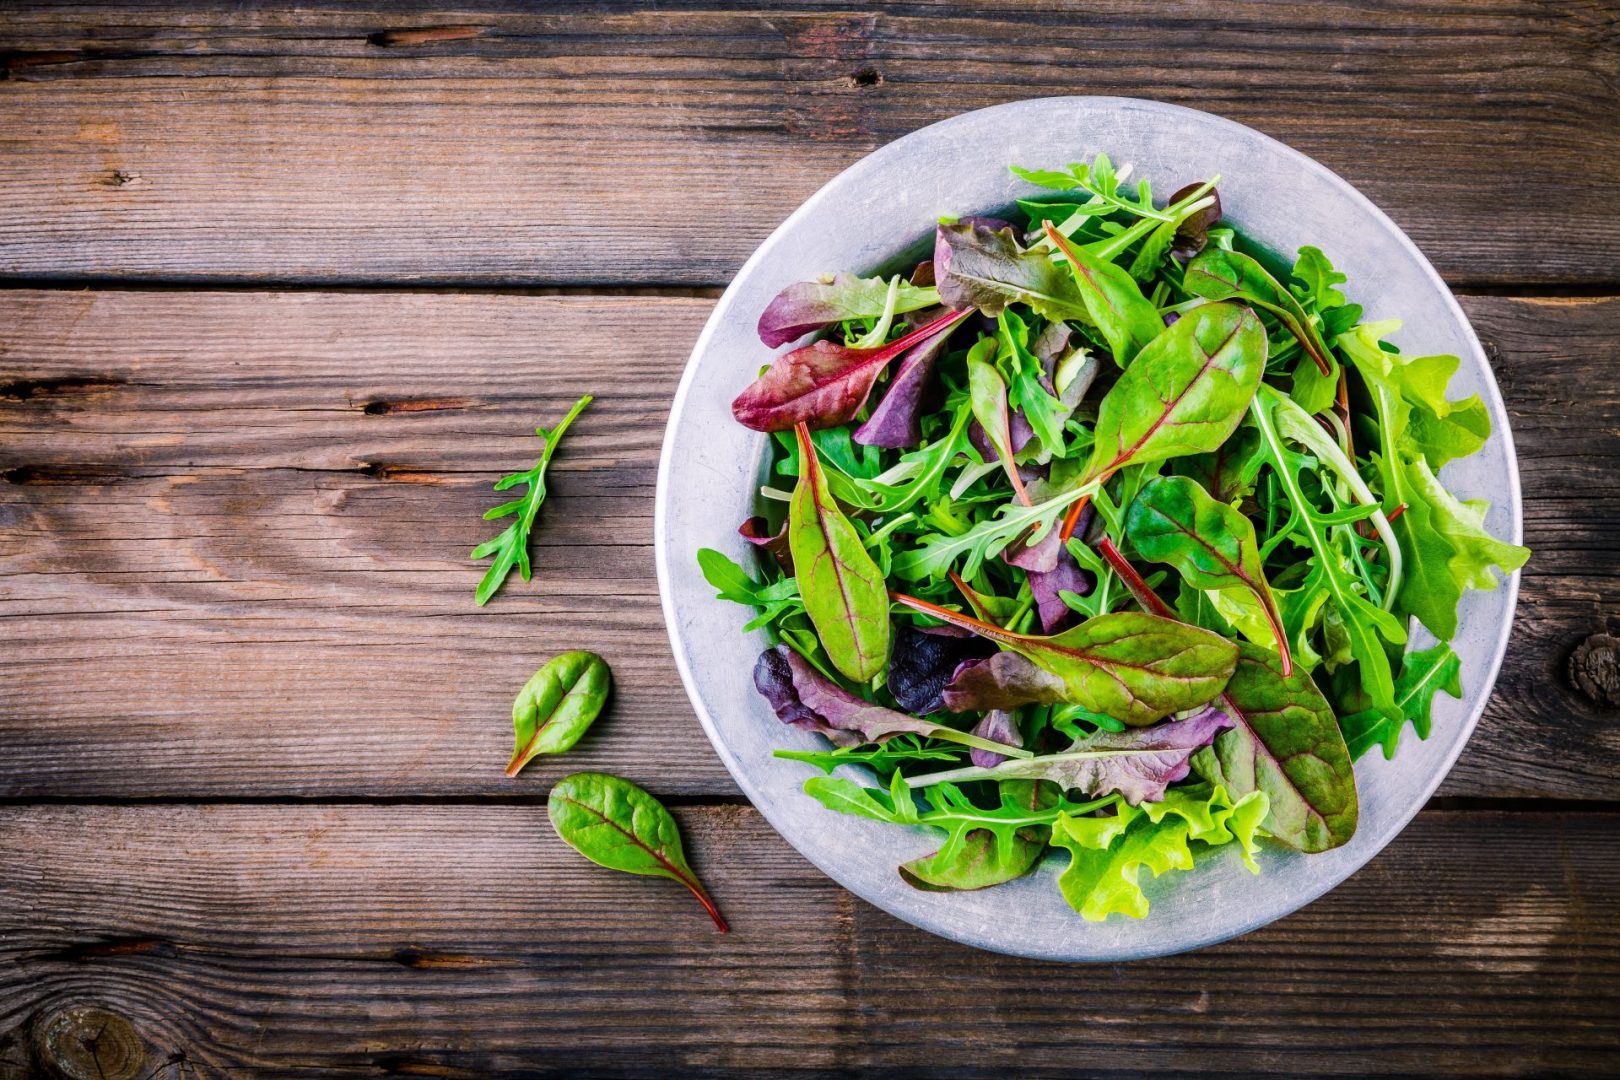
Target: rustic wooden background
{"x": 282, "y": 292}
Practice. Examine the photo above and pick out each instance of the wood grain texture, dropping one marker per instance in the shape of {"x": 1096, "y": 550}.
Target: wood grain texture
{"x": 626, "y": 142}
{"x": 468, "y": 941}
{"x": 234, "y": 526}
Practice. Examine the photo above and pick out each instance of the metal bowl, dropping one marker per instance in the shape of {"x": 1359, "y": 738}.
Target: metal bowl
{"x": 865, "y": 219}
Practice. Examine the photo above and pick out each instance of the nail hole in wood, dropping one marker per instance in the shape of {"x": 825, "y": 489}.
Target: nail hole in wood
{"x": 866, "y": 76}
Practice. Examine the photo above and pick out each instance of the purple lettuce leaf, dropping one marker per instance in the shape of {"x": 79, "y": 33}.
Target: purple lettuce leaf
{"x": 923, "y": 660}
{"x": 1019, "y": 429}
{"x": 999, "y": 726}
{"x": 896, "y": 422}
{"x": 1138, "y": 763}
{"x": 1003, "y": 681}
{"x": 940, "y": 267}
{"x": 810, "y": 305}
{"x": 1193, "y": 233}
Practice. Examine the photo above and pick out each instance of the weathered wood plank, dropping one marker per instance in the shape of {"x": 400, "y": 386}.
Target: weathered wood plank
{"x": 634, "y": 142}
{"x": 223, "y": 575}
{"x": 467, "y": 941}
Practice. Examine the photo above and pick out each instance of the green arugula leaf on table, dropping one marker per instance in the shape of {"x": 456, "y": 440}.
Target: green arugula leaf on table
{"x": 511, "y": 547}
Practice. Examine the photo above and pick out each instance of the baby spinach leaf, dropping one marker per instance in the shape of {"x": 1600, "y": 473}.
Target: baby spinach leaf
{"x": 1423, "y": 674}
{"x": 843, "y": 588}
{"x": 1108, "y": 853}
{"x": 1173, "y": 520}
{"x": 1137, "y": 764}
{"x": 988, "y": 394}
{"x": 1287, "y": 744}
{"x": 1136, "y": 668}
{"x": 804, "y": 698}
{"x": 615, "y": 824}
{"x": 1230, "y": 275}
{"x": 556, "y": 705}
{"x": 987, "y": 269}
{"x": 1185, "y": 393}
{"x": 511, "y": 547}
{"x": 811, "y": 305}
{"x": 823, "y": 383}
{"x": 1114, "y": 302}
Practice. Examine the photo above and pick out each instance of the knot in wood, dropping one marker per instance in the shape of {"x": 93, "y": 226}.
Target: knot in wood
{"x": 1594, "y": 668}
{"x": 82, "y": 1042}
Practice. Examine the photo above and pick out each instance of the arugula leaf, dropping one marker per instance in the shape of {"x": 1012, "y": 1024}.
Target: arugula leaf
{"x": 511, "y": 547}
{"x": 1100, "y": 180}
{"x": 936, "y": 552}
{"x": 1026, "y": 393}
{"x": 843, "y": 589}
{"x": 771, "y": 601}
{"x": 1423, "y": 674}
{"x": 884, "y": 758}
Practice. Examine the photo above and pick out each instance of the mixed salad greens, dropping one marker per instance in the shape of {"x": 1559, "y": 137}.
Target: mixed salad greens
{"x": 1100, "y": 532}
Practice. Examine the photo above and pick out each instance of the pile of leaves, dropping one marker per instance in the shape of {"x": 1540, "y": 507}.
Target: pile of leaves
{"x": 1098, "y": 531}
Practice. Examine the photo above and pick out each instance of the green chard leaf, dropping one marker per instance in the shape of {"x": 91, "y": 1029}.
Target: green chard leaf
{"x": 1133, "y": 667}
{"x": 1229, "y": 471}
{"x": 1114, "y": 302}
{"x": 1423, "y": 674}
{"x": 1287, "y": 744}
{"x": 511, "y": 547}
{"x": 1185, "y": 393}
{"x": 615, "y": 824}
{"x": 1173, "y": 520}
{"x": 1230, "y": 275}
{"x": 843, "y": 589}
{"x": 1107, "y": 854}
{"x": 556, "y": 705}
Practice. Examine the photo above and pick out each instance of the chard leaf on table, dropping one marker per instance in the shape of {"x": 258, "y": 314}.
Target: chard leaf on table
{"x": 511, "y": 547}
{"x": 843, "y": 589}
{"x": 556, "y": 705}
{"x": 1114, "y": 302}
{"x": 1423, "y": 674}
{"x": 1136, "y": 668}
{"x": 615, "y": 824}
{"x": 1231, "y": 275}
{"x": 811, "y": 305}
{"x": 823, "y": 383}
{"x": 1107, "y": 854}
{"x": 987, "y": 270}
{"x": 1137, "y": 764}
{"x": 804, "y": 698}
{"x": 1173, "y": 520}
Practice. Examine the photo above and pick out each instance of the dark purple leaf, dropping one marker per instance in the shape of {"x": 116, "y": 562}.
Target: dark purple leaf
{"x": 803, "y": 697}
{"x": 999, "y": 726}
{"x": 1020, "y": 430}
{"x": 923, "y": 275}
{"x": 823, "y": 384}
{"x": 1193, "y": 233}
{"x": 1003, "y": 681}
{"x": 896, "y": 423}
{"x": 923, "y": 661}
{"x": 756, "y": 530}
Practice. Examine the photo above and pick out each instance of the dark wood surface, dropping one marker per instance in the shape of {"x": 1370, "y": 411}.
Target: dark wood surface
{"x": 252, "y": 817}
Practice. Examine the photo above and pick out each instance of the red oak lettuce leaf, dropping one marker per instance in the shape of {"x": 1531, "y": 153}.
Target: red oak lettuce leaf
{"x": 923, "y": 661}
{"x": 823, "y": 384}
{"x": 757, "y": 532}
{"x": 941, "y": 265}
{"x": 1067, "y": 576}
{"x": 1003, "y": 681}
{"x": 803, "y": 697}
{"x": 810, "y": 305}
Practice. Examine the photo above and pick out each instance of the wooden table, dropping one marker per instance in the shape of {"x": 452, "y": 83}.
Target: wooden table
{"x": 285, "y": 291}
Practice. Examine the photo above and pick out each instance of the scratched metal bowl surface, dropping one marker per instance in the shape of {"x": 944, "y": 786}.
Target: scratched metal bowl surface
{"x": 884, "y": 207}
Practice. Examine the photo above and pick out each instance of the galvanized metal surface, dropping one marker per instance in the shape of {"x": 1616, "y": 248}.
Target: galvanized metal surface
{"x": 882, "y": 210}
